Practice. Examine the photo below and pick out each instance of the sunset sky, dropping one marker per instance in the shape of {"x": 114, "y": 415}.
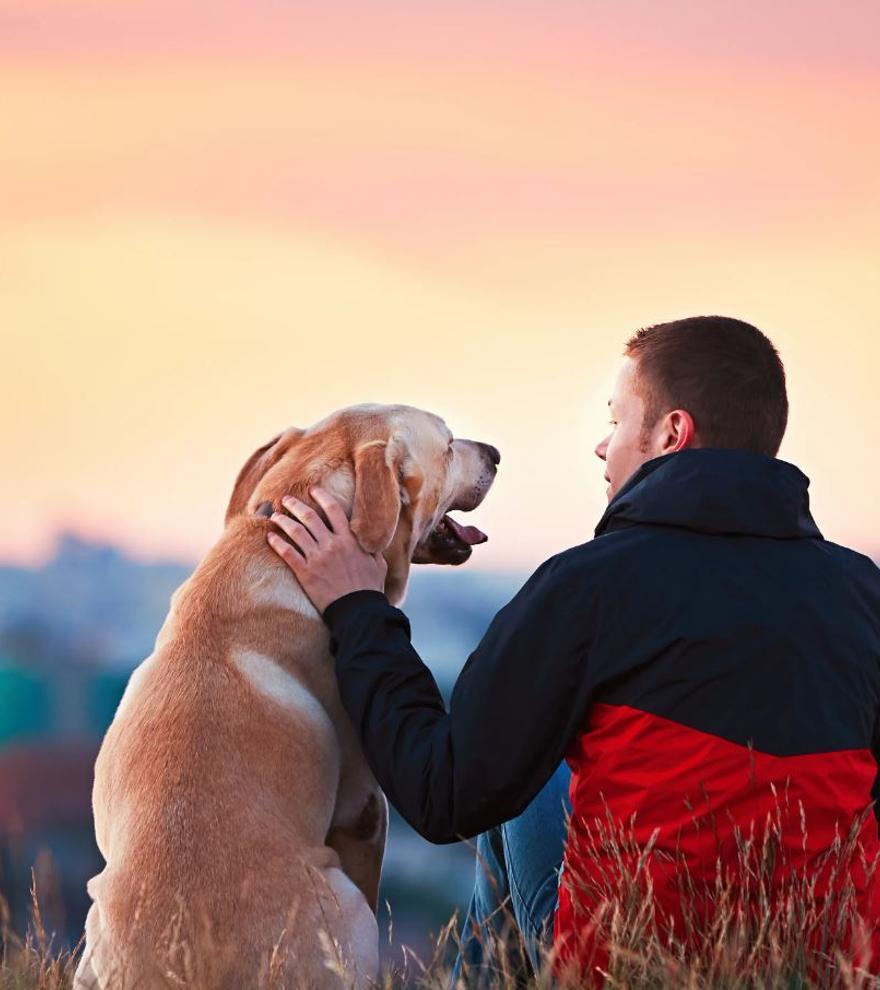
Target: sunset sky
{"x": 220, "y": 219}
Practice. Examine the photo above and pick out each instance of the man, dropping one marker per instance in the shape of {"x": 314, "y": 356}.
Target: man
{"x": 707, "y": 653}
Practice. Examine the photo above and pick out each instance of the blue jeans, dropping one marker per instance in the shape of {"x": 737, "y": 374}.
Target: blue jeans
{"x": 510, "y": 916}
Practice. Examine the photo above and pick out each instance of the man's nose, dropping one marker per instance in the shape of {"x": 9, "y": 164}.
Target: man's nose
{"x": 601, "y": 449}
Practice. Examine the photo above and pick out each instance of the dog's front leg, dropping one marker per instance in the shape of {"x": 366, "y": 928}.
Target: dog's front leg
{"x": 360, "y": 844}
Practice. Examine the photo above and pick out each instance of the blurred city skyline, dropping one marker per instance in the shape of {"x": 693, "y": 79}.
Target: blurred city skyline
{"x": 218, "y": 220}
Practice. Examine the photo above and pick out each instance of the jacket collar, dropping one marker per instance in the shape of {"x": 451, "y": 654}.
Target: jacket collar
{"x": 715, "y": 490}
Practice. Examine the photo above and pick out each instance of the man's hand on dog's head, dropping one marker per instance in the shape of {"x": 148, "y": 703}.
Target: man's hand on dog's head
{"x": 328, "y": 563}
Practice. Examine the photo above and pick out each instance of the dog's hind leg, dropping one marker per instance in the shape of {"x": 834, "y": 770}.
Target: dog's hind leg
{"x": 85, "y": 977}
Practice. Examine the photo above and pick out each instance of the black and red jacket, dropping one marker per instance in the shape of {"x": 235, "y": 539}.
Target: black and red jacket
{"x": 707, "y": 648}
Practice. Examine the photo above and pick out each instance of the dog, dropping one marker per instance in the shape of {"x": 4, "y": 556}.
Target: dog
{"x": 242, "y": 829}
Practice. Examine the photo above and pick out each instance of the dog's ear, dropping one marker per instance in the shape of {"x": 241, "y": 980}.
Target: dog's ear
{"x": 376, "y": 507}
{"x": 254, "y": 468}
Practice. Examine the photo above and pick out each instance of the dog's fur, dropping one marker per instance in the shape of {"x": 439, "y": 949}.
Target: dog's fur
{"x": 242, "y": 829}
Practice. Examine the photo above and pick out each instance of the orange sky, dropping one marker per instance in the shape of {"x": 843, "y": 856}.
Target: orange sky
{"x": 220, "y": 220}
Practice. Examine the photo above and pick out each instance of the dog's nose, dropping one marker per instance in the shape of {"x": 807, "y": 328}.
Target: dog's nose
{"x": 493, "y": 452}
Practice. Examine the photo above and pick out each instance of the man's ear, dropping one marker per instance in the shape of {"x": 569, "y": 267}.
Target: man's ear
{"x": 254, "y": 468}
{"x": 376, "y": 506}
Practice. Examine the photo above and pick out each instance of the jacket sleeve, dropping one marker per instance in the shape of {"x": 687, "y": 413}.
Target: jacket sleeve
{"x": 520, "y": 698}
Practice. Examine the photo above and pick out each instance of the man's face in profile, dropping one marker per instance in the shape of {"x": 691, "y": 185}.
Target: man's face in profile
{"x": 622, "y": 450}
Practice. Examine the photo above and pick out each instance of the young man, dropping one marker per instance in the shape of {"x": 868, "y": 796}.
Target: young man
{"x": 705, "y": 655}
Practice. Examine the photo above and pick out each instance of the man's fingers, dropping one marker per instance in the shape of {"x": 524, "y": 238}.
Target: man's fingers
{"x": 289, "y": 554}
{"x": 306, "y": 515}
{"x": 333, "y": 510}
{"x": 295, "y": 530}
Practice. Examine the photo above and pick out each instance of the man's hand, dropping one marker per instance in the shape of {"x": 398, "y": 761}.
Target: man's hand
{"x": 328, "y": 563}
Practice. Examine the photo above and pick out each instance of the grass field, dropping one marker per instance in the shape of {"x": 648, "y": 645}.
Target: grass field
{"x": 767, "y": 927}
{"x": 732, "y": 963}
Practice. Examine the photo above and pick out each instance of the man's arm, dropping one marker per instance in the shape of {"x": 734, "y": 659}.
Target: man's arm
{"x": 517, "y": 703}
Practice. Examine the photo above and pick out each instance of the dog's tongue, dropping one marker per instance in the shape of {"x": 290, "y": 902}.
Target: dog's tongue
{"x": 467, "y": 534}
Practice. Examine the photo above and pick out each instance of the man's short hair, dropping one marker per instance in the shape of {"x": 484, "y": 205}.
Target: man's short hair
{"x": 723, "y": 371}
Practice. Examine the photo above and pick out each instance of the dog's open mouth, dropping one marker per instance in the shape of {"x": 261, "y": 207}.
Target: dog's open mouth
{"x": 448, "y": 543}
{"x": 449, "y": 529}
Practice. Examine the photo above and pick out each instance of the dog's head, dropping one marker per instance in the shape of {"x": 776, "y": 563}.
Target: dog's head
{"x": 397, "y": 470}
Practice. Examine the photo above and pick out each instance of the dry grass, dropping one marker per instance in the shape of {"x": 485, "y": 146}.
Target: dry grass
{"x": 761, "y": 923}
{"x": 32, "y": 962}
{"x": 768, "y": 928}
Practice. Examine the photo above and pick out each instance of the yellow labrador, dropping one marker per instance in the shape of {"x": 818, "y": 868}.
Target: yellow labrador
{"x": 242, "y": 830}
